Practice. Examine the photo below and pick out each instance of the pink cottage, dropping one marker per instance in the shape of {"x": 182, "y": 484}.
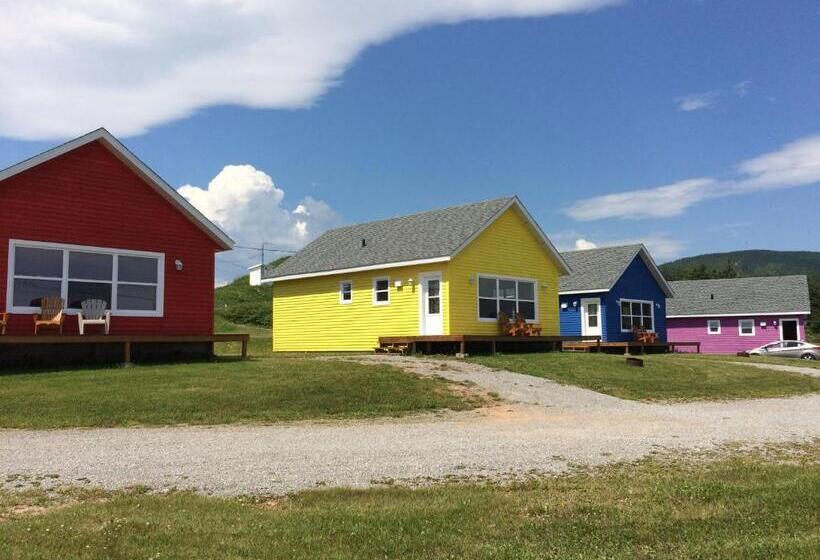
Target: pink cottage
{"x": 738, "y": 314}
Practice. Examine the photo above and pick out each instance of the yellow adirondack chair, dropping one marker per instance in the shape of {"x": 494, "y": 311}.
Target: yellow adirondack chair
{"x": 51, "y": 314}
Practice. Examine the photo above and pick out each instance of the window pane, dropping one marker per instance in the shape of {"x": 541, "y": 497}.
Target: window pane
{"x": 592, "y": 320}
{"x": 624, "y": 308}
{"x": 381, "y": 285}
{"x": 433, "y": 288}
{"x": 90, "y": 266}
{"x": 137, "y": 269}
{"x": 507, "y": 306}
{"x": 433, "y": 306}
{"x": 526, "y": 290}
{"x": 592, "y": 309}
{"x": 636, "y": 308}
{"x": 527, "y": 308}
{"x": 78, "y": 292}
{"x": 382, "y": 296}
{"x": 487, "y": 287}
{"x": 27, "y": 292}
{"x": 136, "y": 298}
{"x": 626, "y": 323}
{"x": 506, "y": 289}
{"x": 487, "y": 309}
{"x": 647, "y": 309}
{"x": 647, "y": 324}
{"x": 38, "y": 262}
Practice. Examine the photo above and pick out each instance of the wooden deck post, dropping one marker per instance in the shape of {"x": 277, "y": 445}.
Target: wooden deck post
{"x": 462, "y": 347}
{"x": 244, "y": 348}
{"x": 127, "y": 353}
{"x": 492, "y": 347}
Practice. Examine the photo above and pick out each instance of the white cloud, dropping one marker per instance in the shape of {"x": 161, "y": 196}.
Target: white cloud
{"x": 583, "y": 244}
{"x": 247, "y": 204}
{"x": 130, "y": 66}
{"x": 697, "y": 101}
{"x": 662, "y": 246}
{"x": 795, "y": 164}
{"x": 741, "y": 89}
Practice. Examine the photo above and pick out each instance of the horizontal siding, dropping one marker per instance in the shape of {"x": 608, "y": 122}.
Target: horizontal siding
{"x": 89, "y": 197}
{"x": 729, "y": 341}
{"x": 308, "y": 317}
{"x": 571, "y": 316}
{"x": 507, "y": 248}
{"x": 636, "y": 282}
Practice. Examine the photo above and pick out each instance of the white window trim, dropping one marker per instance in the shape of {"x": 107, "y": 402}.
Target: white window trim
{"x": 740, "y": 327}
{"x": 66, "y": 248}
{"x": 709, "y": 326}
{"x": 342, "y": 300}
{"x": 620, "y": 313}
{"x": 797, "y": 329}
{"x": 497, "y": 277}
{"x": 376, "y": 279}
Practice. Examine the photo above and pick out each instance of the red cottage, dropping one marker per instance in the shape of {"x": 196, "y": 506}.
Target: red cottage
{"x": 89, "y": 220}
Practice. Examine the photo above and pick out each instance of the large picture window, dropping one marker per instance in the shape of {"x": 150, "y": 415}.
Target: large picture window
{"x": 507, "y": 295}
{"x": 637, "y": 314}
{"x": 129, "y": 282}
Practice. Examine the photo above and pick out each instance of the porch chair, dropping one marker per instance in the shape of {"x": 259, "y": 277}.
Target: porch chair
{"x": 4, "y": 319}
{"x": 527, "y": 329}
{"x": 51, "y": 314}
{"x": 94, "y": 313}
{"x": 507, "y": 327}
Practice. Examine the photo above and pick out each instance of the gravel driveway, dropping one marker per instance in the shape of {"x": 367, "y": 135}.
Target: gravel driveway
{"x": 545, "y": 428}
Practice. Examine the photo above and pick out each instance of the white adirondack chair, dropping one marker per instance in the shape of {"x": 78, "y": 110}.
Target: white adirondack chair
{"x": 94, "y": 313}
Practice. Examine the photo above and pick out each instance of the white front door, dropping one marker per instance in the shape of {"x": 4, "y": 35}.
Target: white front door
{"x": 431, "y": 304}
{"x": 591, "y": 317}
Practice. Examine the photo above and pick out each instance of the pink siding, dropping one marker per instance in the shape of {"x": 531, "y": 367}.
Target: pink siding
{"x": 729, "y": 340}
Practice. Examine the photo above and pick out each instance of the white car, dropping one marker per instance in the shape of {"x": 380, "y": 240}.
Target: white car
{"x": 788, "y": 349}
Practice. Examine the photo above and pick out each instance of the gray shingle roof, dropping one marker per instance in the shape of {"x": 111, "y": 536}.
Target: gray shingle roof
{"x": 769, "y": 294}
{"x": 438, "y": 233}
{"x": 596, "y": 269}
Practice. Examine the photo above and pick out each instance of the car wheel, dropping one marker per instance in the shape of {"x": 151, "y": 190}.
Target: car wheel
{"x": 808, "y": 356}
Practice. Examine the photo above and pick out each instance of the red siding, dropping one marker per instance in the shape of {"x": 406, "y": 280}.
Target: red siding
{"x": 89, "y": 197}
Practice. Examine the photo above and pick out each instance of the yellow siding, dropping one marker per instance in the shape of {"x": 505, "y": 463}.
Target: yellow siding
{"x": 307, "y": 315}
{"x": 508, "y": 247}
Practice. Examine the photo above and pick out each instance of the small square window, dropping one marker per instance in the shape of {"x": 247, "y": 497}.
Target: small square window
{"x": 713, "y": 326}
{"x": 345, "y": 291}
{"x": 746, "y": 327}
{"x": 381, "y": 291}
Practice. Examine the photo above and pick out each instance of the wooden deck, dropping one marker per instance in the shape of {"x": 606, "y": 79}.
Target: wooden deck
{"x": 413, "y": 343}
{"x": 126, "y": 341}
{"x": 627, "y": 347}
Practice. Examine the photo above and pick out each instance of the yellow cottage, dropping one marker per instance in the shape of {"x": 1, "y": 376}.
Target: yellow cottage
{"x": 448, "y": 271}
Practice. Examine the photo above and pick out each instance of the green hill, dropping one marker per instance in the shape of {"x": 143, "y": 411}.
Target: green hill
{"x": 752, "y": 263}
{"x": 241, "y": 303}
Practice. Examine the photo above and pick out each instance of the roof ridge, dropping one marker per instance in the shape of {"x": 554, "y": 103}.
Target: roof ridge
{"x": 604, "y": 248}
{"x": 414, "y": 214}
{"x": 743, "y": 278}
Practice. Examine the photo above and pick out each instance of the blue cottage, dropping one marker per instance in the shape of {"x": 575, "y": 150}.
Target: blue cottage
{"x": 610, "y": 291}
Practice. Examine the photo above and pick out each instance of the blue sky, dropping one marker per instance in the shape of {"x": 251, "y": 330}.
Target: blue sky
{"x": 561, "y": 110}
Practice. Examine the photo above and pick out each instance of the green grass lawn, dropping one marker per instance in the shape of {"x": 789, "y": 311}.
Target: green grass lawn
{"x": 744, "y": 506}
{"x": 665, "y": 377}
{"x": 754, "y": 359}
{"x": 266, "y": 388}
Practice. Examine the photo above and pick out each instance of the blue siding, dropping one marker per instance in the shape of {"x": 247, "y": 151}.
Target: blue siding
{"x": 636, "y": 282}
{"x": 570, "y": 318}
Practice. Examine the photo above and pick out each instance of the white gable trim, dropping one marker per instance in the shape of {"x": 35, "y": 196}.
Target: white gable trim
{"x": 514, "y": 201}
{"x": 355, "y": 269}
{"x": 119, "y": 150}
{"x": 574, "y": 292}
{"x": 752, "y": 314}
